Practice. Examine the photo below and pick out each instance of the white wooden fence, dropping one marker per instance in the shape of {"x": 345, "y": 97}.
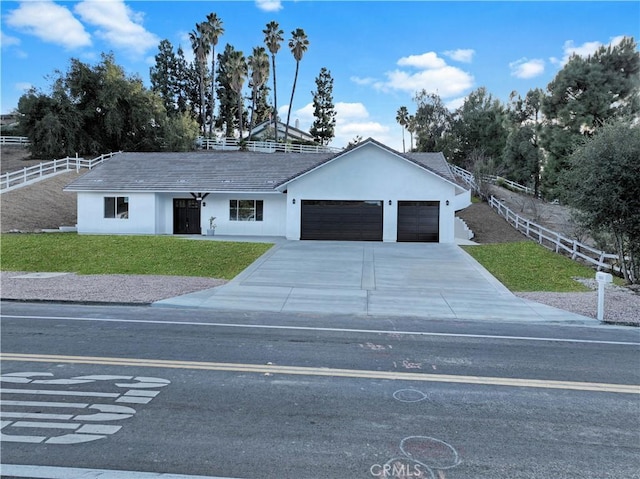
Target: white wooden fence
{"x": 556, "y": 241}
{"x": 470, "y": 180}
{"x": 232, "y": 144}
{"x": 16, "y": 179}
{"x": 14, "y": 140}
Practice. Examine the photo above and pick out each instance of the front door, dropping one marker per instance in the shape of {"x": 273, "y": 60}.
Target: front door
{"x": 186, "y": 217}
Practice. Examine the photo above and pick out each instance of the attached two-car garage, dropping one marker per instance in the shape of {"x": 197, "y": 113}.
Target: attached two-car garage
{"x": 341, "y": 220}
{"x": 418, "y": 221}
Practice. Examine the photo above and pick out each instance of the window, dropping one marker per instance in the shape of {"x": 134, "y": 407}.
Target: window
{"x": 116, "y": 207}
{"x": 245, "y": 210}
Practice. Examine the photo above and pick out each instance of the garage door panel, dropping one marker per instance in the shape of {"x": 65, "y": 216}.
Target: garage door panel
{"x": 341, "y": 220}
{"x": 419, "y": 221}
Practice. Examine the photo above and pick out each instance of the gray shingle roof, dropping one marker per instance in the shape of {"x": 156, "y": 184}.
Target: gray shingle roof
{"x": 206, "y": 171}
{"x": 220, "y": 171}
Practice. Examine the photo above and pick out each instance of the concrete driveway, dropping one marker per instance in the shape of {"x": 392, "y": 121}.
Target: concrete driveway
{"x": 374, "y": 279}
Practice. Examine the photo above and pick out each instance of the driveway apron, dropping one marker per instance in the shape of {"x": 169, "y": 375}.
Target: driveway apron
{"x": 428, "y": 280}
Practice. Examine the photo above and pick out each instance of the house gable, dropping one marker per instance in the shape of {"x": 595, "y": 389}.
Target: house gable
{"x": 433, "y": 163}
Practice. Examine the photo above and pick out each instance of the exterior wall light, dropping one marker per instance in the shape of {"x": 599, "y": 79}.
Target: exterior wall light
{"x": 389, "y": 202}
{"x": 447, "y": 203}
{"x": 293, "y": 201}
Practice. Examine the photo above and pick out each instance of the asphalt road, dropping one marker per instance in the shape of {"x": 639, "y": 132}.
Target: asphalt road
{"x": 278, "y": 396}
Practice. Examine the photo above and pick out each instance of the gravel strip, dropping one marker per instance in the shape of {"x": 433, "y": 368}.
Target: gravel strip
{"x": 620, "y": 306}
{"x": 112, "y": 288}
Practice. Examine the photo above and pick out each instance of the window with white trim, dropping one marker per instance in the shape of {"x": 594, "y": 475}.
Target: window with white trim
{"x": 116, "y": 207}
{"x": 245, "y": 210}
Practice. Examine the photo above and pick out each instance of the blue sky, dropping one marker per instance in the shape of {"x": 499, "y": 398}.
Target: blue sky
{"x": 379, "y": 52}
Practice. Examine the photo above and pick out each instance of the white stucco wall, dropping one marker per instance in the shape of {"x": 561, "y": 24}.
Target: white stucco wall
{"x": 371, "y": 173}
{"x": 152, "y": 213}
{"x": 273, "y": 214}
{"x": 141, "y": 220}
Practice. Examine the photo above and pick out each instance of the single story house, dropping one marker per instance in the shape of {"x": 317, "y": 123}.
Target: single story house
{"x": 264, "y": 131}
{"x": 367, "y": 192}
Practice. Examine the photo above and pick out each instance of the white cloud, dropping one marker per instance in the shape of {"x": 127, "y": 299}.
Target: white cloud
{"x": 446, "y": 82}
{"x": 455, "y": 103}
{"x": 525, "y": 68}
{"x": 9, "y": 41}
{"x": 352, "y": 120}
{"x": 118, "y": 25}
{"x": 426, "y": 61}
{"x": 461, "y": 55}
{"x": 362, "y": 81}
{"x": 584, "y": 50}
{"x": 269, "y": 5}
{"x": 423, "y": 72}
{"x": 351, "y": 111}
{"x": 50, "y": 22}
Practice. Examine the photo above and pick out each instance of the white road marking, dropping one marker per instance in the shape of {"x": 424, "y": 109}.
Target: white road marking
{"x": 44, "y": 403}
{"x": 35, "y": 415}
{"x": 134, "y": 400}
{"x": 46, "y": 425}
{"x": 335, "y": 330}
{"x": 53, "y": 392}
{"x": 99, "y": 429}
{"x": 49, "y": 472}
{"x": 75, "y": 422}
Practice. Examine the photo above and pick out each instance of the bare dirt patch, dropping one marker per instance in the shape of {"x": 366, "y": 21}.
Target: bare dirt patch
{"x": 488, "y": 226}
{"x": 14, "y": 158}
{"x": 41, "y": 205}
{"x": 555, "y": 217}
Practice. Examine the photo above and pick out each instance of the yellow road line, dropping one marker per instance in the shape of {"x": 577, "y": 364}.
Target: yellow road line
{"x": 314, "y": 371}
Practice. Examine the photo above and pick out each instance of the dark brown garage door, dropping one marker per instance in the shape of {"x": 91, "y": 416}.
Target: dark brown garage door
{"x": 341, "y": 220}
{"x": 419, "y": 221}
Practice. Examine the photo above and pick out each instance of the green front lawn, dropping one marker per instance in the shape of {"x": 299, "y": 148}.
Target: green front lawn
{"x": 158, "y": 255}
{"x": 527, "y": 266}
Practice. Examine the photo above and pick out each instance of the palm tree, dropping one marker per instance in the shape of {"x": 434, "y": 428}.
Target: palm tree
{"x": 213, "y": 30}
{"x": 412, "y": 126}
{"x": 200, "y": 47}
{"x": 272, "y": 38}
{"x": 237, "y": 68}
{"x": 298, "y": 45}
{"x": 402, "y": 117}
{"x": 259, "y": 65}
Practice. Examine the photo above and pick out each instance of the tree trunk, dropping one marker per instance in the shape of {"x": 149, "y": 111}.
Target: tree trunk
{"x": 275, "y": 100}
{"x": 240, "y": 115}
{"x": 293, "y": 90}
{"x": 213, "y": 90}
{"x": 253, "y": 110}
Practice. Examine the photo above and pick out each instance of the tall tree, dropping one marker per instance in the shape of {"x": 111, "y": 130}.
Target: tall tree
{"x": 188, "y": 85}
{"x": 213, "y": 29}
{"x": 201, "y": 46}
{"x": 587, "y": 92}
{"x": 273, "y": 38}
{"x": 163, "y": 76}
{"x": 298, "y": 44}
{"x": 479, "y": 126}
{"x": 522, "y": 155}
{"x": 432, "y": 123}
{"x": 411, "y": 128}
{"x": 324, "y": 125}
{"x": 93, "y": 109}
{"x": 259, "y": 66}
{"x": 402, "y": 117}
{"x": 237, "y": 68}
{"x": 603, "y": 184}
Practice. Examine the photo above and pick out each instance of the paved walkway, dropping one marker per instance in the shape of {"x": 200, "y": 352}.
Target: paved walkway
{"x": 373, "y": 279}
